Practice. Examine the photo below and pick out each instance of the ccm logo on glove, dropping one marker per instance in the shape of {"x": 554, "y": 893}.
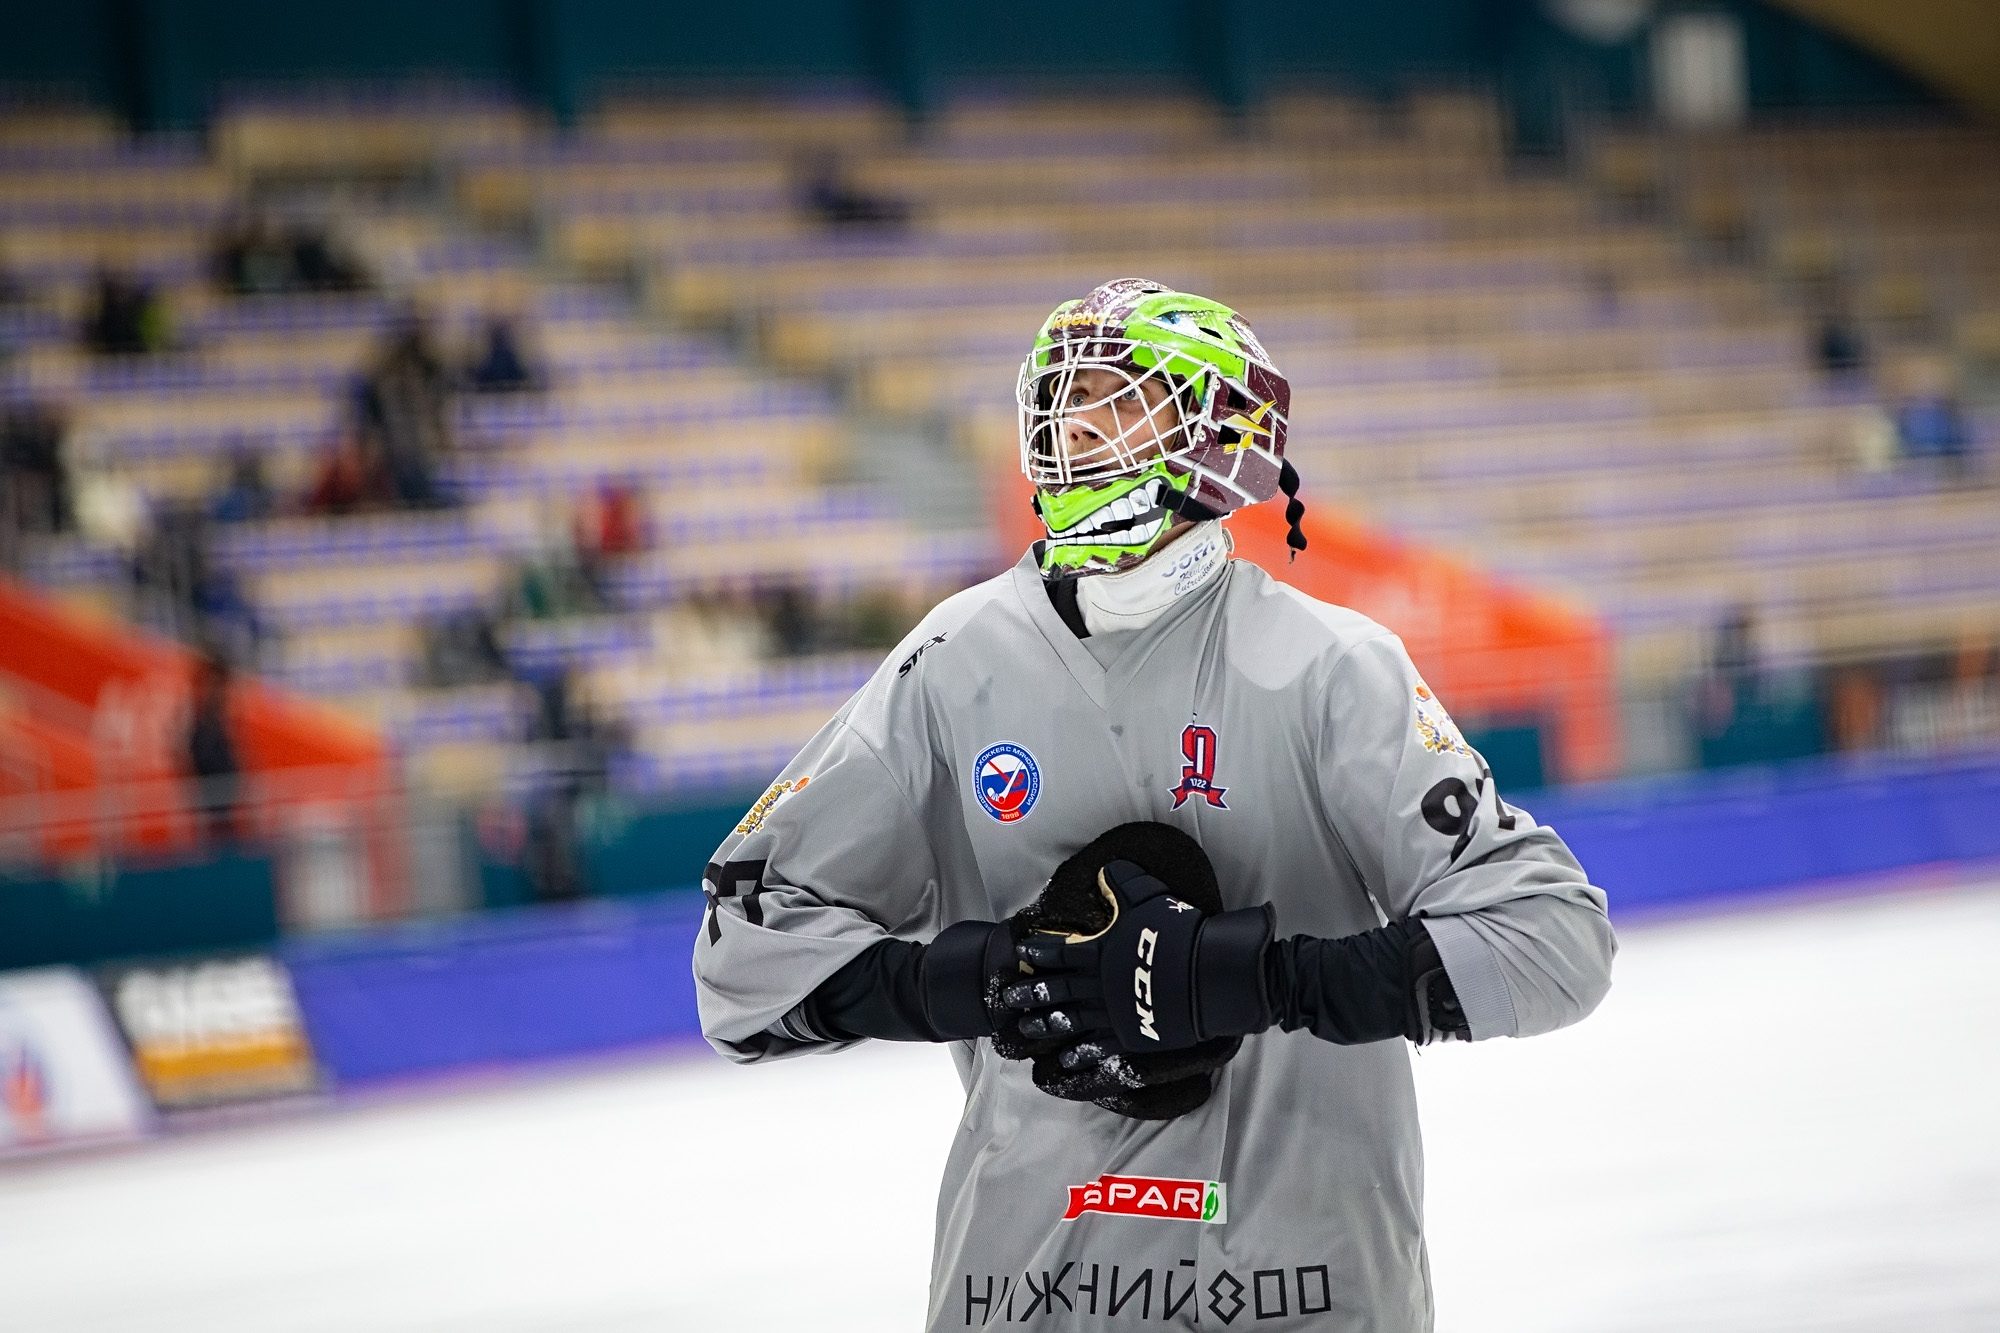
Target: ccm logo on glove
{"x": 1142, "y": 984}
{"x": 1142, "y": 977}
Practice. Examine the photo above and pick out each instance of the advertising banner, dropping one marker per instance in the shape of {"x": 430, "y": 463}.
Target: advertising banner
{"x": 64, "y": 1080}
{"x": 209, "y": 1031}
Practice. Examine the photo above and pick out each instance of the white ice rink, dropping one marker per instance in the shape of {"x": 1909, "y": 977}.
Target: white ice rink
{"x": 1778, "y": 1121}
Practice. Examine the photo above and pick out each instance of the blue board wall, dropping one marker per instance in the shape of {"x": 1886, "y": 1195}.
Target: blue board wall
{"x": 1726, "y": 833}
{"x": 537, "y": 983}
{"x": 505, "y": 987}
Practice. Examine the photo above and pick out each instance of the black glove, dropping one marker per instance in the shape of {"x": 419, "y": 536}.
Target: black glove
{"x": 1090, "y": 922}
{"x": 962, "y": 973}
{"x": 898, "y": 990}
{"x": 1162, "y": 976}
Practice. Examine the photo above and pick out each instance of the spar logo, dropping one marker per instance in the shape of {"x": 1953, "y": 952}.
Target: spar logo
{"x": 1151, "y": 1196}
{"x": 1007, "y": 781}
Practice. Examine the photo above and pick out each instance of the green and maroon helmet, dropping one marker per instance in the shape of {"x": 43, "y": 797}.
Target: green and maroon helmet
{"x": 1108, "y": 502}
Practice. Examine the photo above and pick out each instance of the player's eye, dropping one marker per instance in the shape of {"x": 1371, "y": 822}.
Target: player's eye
{"x": 1078, "y": 399}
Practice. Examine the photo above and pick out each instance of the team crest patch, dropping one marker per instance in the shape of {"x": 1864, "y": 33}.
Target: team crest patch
{"x": 1198, "y": 773}
{"x": 1151, "y": 1196}
{"x": 1007, "y": 781}
{"x": 1435, "y": 728}
{"x": 754, "y": 819}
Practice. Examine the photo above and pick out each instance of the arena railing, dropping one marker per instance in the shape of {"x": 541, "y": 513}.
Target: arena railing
{"x": 339, "y": 835}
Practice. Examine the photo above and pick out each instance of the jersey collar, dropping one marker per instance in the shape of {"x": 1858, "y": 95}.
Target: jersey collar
{"x": 1027, "y": 578}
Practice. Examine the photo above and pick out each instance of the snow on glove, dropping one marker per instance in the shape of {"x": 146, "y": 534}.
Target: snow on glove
{"x": 1124, "y": 943}
{"x": 964, "y": 972}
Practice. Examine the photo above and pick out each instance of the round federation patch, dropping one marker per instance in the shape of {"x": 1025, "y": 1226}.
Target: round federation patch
{"x": 1007, "y": 781}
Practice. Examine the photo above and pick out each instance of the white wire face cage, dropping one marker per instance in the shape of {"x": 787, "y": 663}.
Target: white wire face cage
{"x": 1055, "y": 457}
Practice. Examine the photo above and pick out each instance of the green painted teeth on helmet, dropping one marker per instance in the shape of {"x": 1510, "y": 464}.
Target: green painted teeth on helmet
{"x": 1071, "y": 510}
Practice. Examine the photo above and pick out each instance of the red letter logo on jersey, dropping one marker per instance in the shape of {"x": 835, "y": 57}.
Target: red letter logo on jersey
{"x": 1198, "y": 773}
{"x": 1151, "y": 1196}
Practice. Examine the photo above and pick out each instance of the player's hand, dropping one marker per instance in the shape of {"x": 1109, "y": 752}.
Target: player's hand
{"x": 1160, "y": 977}
{"x": 1156, "y": 1086}
{"x": 964, "y": 973}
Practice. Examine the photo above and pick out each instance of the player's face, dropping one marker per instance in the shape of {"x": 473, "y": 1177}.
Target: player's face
{"x": 1099, "y": 407}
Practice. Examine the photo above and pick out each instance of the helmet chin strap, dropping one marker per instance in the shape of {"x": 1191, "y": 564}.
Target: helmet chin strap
{"x": 1189, "y": 508}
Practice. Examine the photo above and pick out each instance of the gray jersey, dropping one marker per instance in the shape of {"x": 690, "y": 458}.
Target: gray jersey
{"x": 1297, "y": 743}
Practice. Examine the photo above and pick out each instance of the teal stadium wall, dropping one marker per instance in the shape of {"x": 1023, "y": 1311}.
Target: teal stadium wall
{"x": 166, "y": 62}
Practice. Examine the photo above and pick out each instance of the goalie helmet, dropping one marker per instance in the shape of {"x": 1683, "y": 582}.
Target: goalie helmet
{"x": 1107, "y": 500}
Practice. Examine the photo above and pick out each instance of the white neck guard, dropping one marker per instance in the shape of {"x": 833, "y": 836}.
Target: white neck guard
{"x": 1136, "y": 597}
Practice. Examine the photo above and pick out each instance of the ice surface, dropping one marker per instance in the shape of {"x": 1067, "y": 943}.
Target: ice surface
{"x": 1778, "y": 1121}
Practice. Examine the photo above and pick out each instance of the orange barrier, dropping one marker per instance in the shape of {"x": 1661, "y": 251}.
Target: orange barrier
{"x": 93, "y": 722}
{"x": 134, "y": 689}
{"x": 1491, "y": 652}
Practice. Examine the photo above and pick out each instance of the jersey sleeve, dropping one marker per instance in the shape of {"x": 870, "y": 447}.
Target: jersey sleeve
{"x": 830, "y": 860}
{"x": 1522, "y": 932}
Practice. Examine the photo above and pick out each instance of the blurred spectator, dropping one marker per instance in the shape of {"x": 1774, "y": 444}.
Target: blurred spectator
{"x": 225, "y": 614}
{"x": 792, "y": 620}
{"x": 1736, "y": 657}
{"x": 36, "y": 498}
{"x": 1871, "y": 435}
{"x": 1733, "y": 671}
{"x": 552, "y": 585}
{"x": 257, "y": 256}
{"x": 1930, "y": 425}
{"x": 1856, "y": 709}
{"x": 1745, "y": 711}
{"x": 111, "y": 510}
{"x": 253, "y": 258}
{"x": 211, "y": 750}
{"x": 321, "y": 268}
{"x": 353, "y": 476}
{"x": 553, "y": 581}
{"x": 463, "y": 649}
{"x": 404, "y": 405}
{"x": 501, "y": 368}
{"x": 127, "y": 318}
{"x": 246, "y": 496}
{"x": 579, "y": 750}
{"x": 169, "y": 567}
{"x": 1838, "y": 348}
{"x": 609, "y": 525}
{"x": 879, "y": 619}
{"x": 829, "y": 196}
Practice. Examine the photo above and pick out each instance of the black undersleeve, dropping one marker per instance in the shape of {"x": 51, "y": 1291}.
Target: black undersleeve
{"x": 877, "y": 994}
{"x": 1356, "y": 989}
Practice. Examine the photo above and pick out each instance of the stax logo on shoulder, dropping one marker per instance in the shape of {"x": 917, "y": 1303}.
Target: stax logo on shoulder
{"x": 1151, "y": 1196}
{"x": 910, "y": 662}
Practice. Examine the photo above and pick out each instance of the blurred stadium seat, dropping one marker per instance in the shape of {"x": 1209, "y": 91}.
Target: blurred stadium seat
{"x": 1609, "y": 387}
